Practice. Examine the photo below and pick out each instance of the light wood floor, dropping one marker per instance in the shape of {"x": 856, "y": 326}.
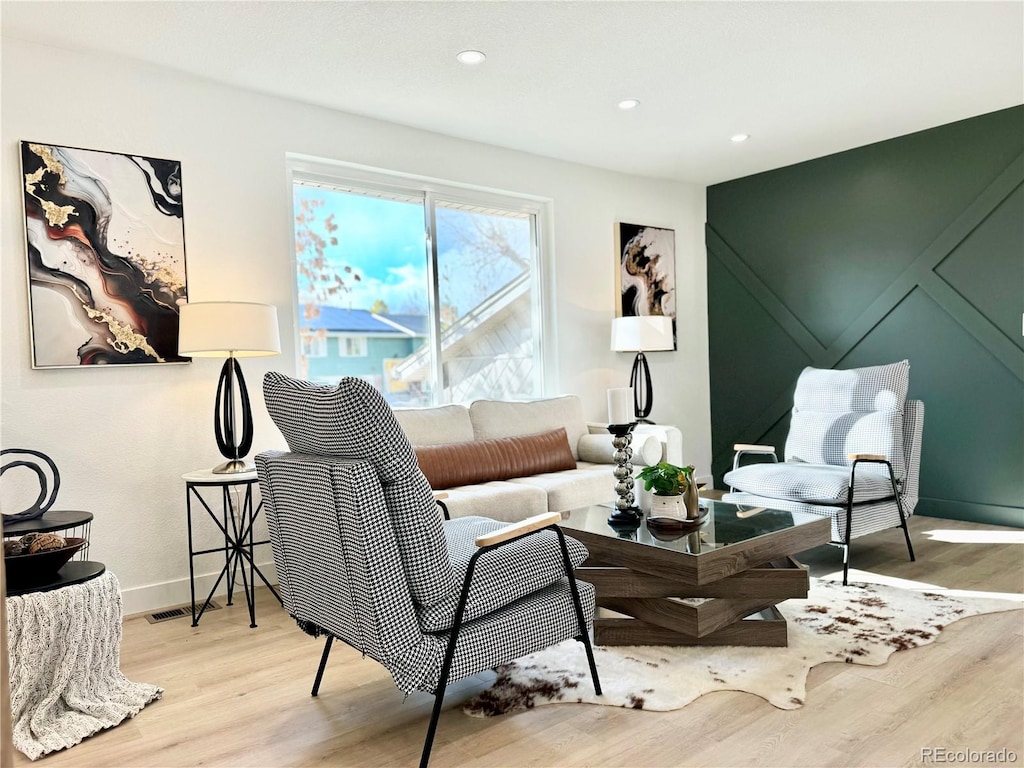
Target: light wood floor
{"x": 240, "y": 697}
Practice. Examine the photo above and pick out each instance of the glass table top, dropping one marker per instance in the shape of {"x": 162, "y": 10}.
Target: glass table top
{"x": 724, "y": 525}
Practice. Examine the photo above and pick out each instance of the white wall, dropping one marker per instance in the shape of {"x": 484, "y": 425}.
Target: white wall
{"x": 122, "y": 436}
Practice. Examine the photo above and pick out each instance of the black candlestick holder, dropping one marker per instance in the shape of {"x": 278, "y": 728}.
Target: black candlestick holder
{"x": 627, "y": 514}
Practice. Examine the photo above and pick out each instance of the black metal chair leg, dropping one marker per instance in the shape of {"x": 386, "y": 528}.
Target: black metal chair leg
{"x": 903, "y": 517}
{"x": 446, "y": 667}
{"x": 449, "y": 655}
{"x": 428, "y": 743}
{"x": 323, "y": 663}
{"x": 906, "y": 535}
{"x": 846, "y": 543}
{"x": 577, "y": 603}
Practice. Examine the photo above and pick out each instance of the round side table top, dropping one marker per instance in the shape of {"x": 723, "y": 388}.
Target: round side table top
{"x": 52, "y": 520}
{"x": 209, "y": 477}
{"x": 74, "y": 572}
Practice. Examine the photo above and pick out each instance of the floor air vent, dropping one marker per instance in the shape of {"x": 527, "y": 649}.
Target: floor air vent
{"x": 177, "y": 612}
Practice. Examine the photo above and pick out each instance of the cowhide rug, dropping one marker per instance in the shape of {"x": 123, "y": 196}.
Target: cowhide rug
{"x": 858, "y": 624}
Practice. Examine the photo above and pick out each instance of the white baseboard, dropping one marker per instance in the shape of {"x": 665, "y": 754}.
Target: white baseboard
{"x": 154, "y": 597}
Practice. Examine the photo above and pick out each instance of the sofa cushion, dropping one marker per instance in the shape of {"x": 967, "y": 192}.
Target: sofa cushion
{"x": 598, "y": 449}
{"x": 479, "y": 461}
{"x": 502, "y": 575}
{"x": 860, "y": 410}
{"x": 499, "y": 500}
{"x": 352, "y": 420}
{"x": 587, "y": 484}
{"x": 497, "y": 418}
{"x": 436, "y": 426}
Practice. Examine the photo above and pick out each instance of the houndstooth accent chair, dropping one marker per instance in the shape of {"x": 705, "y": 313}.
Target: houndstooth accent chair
{"x": 853, "y": 453}
{"x": 363, "y": 555}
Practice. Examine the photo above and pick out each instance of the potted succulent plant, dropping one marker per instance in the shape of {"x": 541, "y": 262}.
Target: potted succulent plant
{"x": 674, "y": 489}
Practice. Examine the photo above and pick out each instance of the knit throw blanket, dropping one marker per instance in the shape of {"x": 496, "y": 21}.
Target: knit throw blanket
{"x": 66, "y": 681}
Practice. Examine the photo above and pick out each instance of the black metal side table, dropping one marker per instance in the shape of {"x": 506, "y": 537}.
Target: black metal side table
{"x": 236, "y": 522}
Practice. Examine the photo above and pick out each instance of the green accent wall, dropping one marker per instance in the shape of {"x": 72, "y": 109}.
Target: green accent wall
{"x": 908, "y": 248}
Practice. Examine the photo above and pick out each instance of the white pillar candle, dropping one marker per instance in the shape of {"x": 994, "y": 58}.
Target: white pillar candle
{"x": 620, "y": 405}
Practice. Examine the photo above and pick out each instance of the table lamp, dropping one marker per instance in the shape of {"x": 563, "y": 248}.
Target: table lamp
{"x": 229, "y": 329}
{"x": 642, "y": 333}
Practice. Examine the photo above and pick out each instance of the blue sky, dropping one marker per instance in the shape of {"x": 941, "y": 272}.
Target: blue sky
{"x": 385, "y": 244}
{"x": 383, "y": 241}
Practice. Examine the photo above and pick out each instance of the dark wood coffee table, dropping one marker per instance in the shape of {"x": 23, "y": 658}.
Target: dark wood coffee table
{"x": 716, "y": 583}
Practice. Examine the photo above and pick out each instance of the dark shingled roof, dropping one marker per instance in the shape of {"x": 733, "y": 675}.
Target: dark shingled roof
{"x": 362, "y": 321}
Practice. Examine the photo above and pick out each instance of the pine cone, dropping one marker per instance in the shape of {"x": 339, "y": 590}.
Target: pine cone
{"x": 13, "y": 548}
{"x": 45, "y": 542}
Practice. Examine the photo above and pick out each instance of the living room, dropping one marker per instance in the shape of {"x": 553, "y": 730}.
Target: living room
{"x": 123, "y": 438}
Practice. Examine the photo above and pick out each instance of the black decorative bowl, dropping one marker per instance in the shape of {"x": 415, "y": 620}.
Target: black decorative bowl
{"x": 40, "y": 566}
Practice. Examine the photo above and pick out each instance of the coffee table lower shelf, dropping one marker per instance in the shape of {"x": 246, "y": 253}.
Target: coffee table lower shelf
{"x": 738, "y": 610}
{"x": 766, "y": 629}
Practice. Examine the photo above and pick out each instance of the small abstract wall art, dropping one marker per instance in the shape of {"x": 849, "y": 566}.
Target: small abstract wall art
{"x": 646, "y": 278}
{"x": 105, "y": 241}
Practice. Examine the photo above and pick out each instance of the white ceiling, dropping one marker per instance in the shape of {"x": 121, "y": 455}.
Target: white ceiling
{"x": 804, "y": 79}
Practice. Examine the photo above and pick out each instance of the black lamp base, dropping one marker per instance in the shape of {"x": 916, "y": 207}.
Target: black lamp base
{"x": 643, "y": 391}
{"x": 233, "y": 440}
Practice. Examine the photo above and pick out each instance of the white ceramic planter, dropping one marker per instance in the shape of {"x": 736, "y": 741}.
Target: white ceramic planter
{"x": 668, "y": 506}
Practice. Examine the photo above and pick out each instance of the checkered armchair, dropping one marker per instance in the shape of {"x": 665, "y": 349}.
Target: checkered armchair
{"x": 853, "y": 454}
{"x": 363, "y": 555}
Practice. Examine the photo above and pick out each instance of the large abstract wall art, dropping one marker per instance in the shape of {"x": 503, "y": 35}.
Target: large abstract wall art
{"x": 105, "y": 241}
{"x": 646, "y": 278}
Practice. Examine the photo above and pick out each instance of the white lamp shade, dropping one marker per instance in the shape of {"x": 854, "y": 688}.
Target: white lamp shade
{"x": 642, "y": 333}
{"x": 223, "y": 328}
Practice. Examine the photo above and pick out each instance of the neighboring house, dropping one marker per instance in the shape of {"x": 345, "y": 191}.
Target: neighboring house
{"x": 340, "y": 342}
{"x": 487, "y": 352}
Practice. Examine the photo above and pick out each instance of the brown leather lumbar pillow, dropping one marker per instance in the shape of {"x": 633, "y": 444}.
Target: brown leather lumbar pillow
{"x": 479, "y": 461}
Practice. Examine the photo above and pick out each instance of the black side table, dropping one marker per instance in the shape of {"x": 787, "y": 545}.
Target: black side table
{"x": 75, "y": 572}
{"x": 54, "y": 520}
{"x": 236, "y": 521}
{"x": 78, "y": 570}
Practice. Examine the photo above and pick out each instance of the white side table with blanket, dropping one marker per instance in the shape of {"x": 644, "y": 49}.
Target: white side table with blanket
{"x": 65, "y": 653}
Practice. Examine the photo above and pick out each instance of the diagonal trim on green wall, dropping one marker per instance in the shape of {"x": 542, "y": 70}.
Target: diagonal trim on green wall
{"x": 976, "y": 324}
{"x": 778, "y": 311}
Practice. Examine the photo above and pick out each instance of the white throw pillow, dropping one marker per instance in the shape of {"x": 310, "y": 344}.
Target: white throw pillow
{"x": 598, "y": 449}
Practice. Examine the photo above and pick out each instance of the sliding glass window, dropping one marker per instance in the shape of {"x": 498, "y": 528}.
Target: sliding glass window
{"x": 429, "y": 292}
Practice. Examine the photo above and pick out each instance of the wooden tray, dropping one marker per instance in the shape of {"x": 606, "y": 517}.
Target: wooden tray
{"x": 667, "y": 526}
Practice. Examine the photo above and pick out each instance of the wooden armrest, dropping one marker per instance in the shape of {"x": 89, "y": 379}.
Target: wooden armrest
{"x": 440, "y": 495}
{"x": 518, "y": 529}
{"x": 866, "y": 457}
{"x": 748, "y": 448}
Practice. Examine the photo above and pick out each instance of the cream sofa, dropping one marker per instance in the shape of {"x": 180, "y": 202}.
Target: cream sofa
{"x": 516, "y": 498}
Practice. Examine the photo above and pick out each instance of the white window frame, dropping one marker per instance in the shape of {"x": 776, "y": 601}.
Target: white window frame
{"x": 337, "y": 175}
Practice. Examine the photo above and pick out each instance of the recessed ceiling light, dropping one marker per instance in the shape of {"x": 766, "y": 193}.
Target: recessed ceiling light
{"x": 470, "y": 57}
{"x": 629, "y": 103}
{"x": 740, "y": 137}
